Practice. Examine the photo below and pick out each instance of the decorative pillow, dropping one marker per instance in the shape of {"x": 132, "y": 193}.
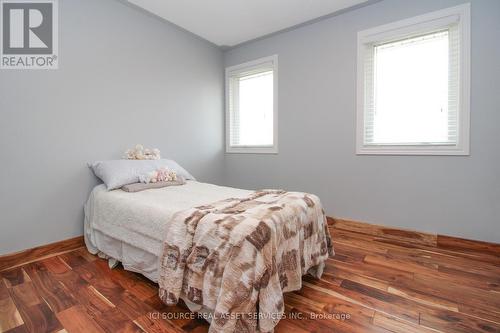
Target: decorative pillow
{"x": 116, "y": 173}
{"x": 137, "y": 187}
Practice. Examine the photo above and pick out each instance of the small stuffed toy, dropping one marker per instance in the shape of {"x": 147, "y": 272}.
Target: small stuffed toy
{"x": 141, "y": 153}
{"x": 160, "y": 175}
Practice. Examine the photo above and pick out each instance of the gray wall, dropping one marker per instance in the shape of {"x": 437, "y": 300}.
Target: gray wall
{"x": 124, "y": 77}
{"x": 317, "y": 92}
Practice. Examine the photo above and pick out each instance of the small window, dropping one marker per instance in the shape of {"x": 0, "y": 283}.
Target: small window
{"x": 251, "y": 107}
{"x": 413, "y": 86}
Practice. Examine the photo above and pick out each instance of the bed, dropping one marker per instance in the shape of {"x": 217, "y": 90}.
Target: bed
{"x": 171, "y": 234}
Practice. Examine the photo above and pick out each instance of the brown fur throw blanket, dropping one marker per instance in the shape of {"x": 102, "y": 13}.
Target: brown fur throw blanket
{"x": 236, "y": 257}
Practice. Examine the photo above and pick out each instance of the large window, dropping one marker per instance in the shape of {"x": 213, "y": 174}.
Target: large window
{"x": 251, "y": 107}
{"x": 413, "y": 86}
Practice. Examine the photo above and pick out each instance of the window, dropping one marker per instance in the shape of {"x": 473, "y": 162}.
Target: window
{"x": 251, "y": 107}
{"x": 413, "y": 86}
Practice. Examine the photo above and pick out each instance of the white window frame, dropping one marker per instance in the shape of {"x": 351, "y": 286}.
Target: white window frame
{"x": 401, "y": 29}
{"x": 248, "y": 66}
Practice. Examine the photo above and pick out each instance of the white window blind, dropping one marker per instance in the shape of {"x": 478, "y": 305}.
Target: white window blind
{"x": 251, "y": 107}
{"x": 415, "y": 85}
{"x": 412, "y": 90}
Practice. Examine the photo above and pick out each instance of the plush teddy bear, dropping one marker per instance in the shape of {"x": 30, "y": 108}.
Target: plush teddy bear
{"x": 141, "y": 153}
{"x": 160, "y": 175}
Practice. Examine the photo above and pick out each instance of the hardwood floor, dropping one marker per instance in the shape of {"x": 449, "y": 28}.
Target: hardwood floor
{"x": 373, "y": 284}
{"x": 37, "y": 253}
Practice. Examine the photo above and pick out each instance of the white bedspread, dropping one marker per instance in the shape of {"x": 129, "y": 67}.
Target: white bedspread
{"x": 141, "y": 219}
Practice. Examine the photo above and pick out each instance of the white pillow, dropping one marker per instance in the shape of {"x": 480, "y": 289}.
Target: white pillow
{"x": 116, "y": 173}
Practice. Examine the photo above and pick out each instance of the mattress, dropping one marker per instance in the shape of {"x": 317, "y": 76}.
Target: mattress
{"x": 130, "y": 227}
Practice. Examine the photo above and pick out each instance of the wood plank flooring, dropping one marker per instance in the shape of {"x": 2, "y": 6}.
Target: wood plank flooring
{"x": 373, "y": 284}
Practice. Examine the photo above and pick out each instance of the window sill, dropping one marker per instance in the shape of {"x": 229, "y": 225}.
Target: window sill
{"x": 413, "y": 150}
{"x": 251, "y": 150}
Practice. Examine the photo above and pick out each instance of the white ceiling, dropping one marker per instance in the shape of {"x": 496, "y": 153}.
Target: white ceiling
{"x": 231, "y": 22}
